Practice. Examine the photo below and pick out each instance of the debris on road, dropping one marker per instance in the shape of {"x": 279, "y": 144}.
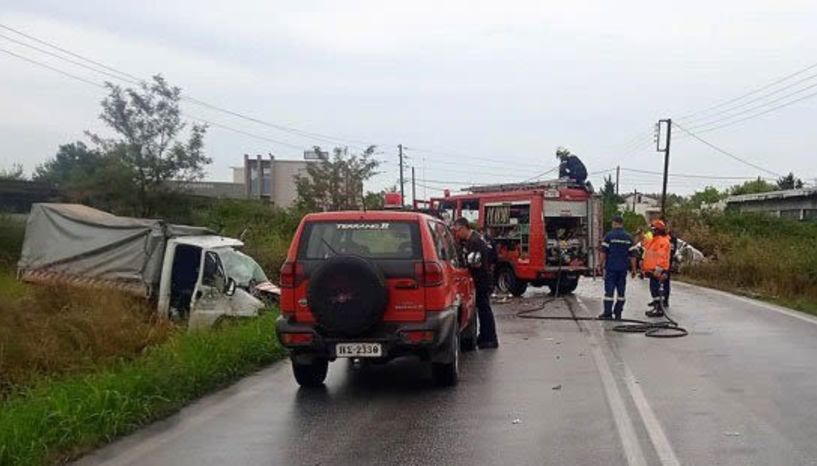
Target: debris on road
{"x": 731, "y": 434}
{"x": 517, "y": 421}
{"x": 557, "y": 387}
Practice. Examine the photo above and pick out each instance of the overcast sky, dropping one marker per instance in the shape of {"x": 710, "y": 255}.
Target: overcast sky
{"x": 490, "y": 88}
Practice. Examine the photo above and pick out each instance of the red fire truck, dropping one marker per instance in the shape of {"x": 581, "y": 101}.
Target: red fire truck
{"x": 545, "y": 233}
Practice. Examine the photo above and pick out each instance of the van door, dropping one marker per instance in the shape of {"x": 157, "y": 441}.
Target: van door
{"x": 209, "y": 301}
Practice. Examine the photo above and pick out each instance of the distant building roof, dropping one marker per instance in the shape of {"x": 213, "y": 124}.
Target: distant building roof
{"x": 642, "y": 195}
{"x": 789, "y": 193}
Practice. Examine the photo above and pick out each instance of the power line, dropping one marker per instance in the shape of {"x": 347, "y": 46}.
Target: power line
{"x": 74, "y": 62}
{"x": 681, "y": 175}
{"x": 724, "y": 152}
{"x": 540, "y": 175}
{"x": 127, "y": 77}
{"x": 460, "y": 154}
{"x": 42, "y": 42}
{"x": 741, "y": 120}
{"x": 706, "y": 124}
{"x": 56, "y": 70}
{"x": 188, "y": 116}
{"x": 756, "y": 99}
{"x": 753, "y": 92}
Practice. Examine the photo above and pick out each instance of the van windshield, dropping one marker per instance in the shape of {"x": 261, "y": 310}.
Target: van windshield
{"x": 374, "y": 240}
{"x": 241, "y": 267}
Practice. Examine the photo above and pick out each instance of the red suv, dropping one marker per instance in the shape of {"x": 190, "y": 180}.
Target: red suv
{"x": 378, "y": 285}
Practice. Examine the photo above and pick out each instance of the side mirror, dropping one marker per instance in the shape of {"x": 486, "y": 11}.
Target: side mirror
{"x": 229, "y": 289}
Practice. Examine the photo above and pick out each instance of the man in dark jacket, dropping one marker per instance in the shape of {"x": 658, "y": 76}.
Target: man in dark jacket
{"x": 476, "y": 255}
{"x": 571, "y": 167}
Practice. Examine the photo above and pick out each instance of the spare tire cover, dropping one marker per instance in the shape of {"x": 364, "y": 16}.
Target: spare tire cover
{"x": 347, "y": 295}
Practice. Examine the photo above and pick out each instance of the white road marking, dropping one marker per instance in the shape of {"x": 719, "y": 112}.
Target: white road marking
{"x": 779, "y": 309}
{"x": 659, "y": 439}
{"x": 624, "y": 425}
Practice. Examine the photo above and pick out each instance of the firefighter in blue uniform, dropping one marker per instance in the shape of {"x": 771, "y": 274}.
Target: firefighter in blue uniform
{"x": 615, "y": 260}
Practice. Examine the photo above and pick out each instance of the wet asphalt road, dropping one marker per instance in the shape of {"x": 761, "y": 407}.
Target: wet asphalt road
{"x": 740, "y": 390}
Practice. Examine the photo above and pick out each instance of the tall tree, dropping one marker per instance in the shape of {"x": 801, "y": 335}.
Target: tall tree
{"x": 752, "y": 187}
{"x": 148, "y": 124}
{"x": 337, "y": 182}
{"x": 709, "y": 195}
{"x": 88, "y": 176}
{"x": 789, "y": 182}
{"x": 13, "y": 173}
{"x": 608, "y": 191}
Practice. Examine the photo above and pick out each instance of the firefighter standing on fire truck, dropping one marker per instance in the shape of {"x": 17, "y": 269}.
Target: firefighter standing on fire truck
{"x": 656, "y": 265}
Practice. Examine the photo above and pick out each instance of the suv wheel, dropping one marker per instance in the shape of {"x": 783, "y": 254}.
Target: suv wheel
{"x": 311, "y": 375}
{"x": 447, "y": 374}
{"x": 468, "y": 340}
{"x": 507, "y": 282}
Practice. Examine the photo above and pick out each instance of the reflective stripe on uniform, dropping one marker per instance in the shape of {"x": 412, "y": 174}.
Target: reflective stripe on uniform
{"x": 605, "y": 244}
{"x": 608, "y": 298}
{"x": 620, "y": 299}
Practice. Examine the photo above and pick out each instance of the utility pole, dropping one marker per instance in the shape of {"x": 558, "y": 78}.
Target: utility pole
{"x": 413, "y": 189}
{"x": 665, "y": 150}
{"x": 618, "y": 175}
{"x": 402, "y": 190}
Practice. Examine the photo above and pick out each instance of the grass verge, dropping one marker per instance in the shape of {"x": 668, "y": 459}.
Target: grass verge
{"x": 807, "y": 305}
{"x": 52, "y": 421}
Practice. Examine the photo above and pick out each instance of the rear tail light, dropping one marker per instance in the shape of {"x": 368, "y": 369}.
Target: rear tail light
{"x": 292, "y": 274}
{"x": 418, "y": 336}
{"x": 296, "y": 339}
{"x": 429, "y": 273}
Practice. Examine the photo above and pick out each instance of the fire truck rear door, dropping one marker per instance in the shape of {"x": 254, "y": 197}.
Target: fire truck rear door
{"x": 595, "y": 229}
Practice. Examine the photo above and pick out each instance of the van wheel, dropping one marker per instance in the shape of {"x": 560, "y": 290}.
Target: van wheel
{"x": 507, "y": 283}
{"x": 310, "y": 375}
{"x": 468, "y": 340}
{"x": 447, "y": 374}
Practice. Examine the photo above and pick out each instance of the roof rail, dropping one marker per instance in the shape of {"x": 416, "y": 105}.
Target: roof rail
{"x": 523, "y": 186}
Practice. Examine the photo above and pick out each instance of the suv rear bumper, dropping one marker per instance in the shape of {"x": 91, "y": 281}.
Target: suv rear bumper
{"x": 389, "y": 334}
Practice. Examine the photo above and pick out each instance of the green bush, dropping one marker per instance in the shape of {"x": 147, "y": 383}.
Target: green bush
{"x": 12, "y": 231}
{"x": 55, "y": 420}
{"x": 754, "y": 253}
{"x": 266, "y": 230}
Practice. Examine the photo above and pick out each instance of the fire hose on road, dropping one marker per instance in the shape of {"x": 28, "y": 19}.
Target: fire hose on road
{"x": 667, "y": 328}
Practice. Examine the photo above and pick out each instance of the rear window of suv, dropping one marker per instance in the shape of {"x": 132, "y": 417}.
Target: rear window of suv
{"x": 373, "y": 240}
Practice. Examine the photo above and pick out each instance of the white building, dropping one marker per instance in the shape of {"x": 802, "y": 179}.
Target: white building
{"x": 266, "y": 178}
{"x": 643, "y": 204}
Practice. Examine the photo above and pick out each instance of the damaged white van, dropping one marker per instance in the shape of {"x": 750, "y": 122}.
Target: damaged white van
{"x": 189, "y": 273}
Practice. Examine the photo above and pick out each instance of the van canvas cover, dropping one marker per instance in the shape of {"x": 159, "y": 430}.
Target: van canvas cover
{"x": 81, "y": 245}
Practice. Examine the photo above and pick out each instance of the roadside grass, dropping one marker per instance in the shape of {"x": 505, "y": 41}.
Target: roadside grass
{"x": 53, "y": 420}
{"x": 48, "y": 331}
{"x": 757, "y": 255}
{"x": 806, "y": 305}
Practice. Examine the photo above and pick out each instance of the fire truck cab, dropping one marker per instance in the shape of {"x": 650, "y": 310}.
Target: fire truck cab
{"x": 545, "y": 234}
